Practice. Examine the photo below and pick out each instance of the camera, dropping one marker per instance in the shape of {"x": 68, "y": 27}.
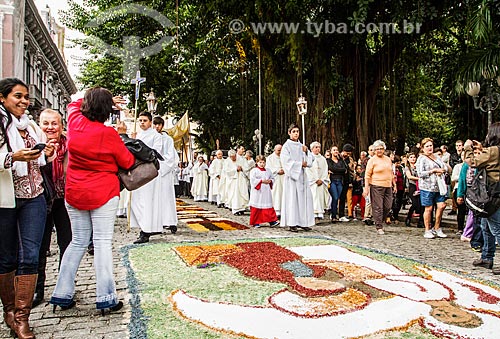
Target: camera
{"x": 114, "y": 116}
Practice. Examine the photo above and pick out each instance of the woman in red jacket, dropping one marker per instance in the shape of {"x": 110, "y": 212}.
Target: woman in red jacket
{"x": 92, "y": 193}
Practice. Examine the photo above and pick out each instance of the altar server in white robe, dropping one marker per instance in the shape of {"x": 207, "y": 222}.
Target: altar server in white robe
{"x": 273, "y": 162}
{"x": 297, "y": 204}
{"x": 146, "y": 204}
{"x": 236, "y": 184}
{"x": 215, "y": 171}
{"x": 261, "y": 199}
{"x": 199, "y": 188}
{"x": 168, "y": 172}
{"x": 318, "y": 181}
{"x": 250, "y": 165}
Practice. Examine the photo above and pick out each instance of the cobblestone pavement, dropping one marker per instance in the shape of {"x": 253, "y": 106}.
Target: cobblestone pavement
{"x": 84, "y": 321}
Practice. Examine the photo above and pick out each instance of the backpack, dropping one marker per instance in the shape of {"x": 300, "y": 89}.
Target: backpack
{"x": 481, "y": 197}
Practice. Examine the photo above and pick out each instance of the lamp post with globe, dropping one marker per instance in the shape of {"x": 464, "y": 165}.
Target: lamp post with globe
{"x": 488, "y": 102}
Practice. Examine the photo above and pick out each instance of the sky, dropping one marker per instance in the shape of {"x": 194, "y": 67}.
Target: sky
{"x": 72, "y": 53}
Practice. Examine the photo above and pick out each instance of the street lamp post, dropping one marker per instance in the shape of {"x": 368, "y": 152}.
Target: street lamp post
{"x": 302, "y": 108}
{"x": 488, "y": 102}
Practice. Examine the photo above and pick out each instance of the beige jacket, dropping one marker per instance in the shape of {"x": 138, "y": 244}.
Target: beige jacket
{"x": 488, "y": 159}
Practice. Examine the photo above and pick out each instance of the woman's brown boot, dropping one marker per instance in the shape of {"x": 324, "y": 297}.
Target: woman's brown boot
{"x": 7, "y": 296}
{"x": 25, "y": 288}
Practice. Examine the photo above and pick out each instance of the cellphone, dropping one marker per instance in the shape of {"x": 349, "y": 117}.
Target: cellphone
{"x": 38, "y": 147}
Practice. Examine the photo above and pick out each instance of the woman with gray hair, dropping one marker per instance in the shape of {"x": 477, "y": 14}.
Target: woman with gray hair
{"x": 380, "y": 184}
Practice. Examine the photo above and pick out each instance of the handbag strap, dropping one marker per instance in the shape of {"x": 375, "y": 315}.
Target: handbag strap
{"x": 434, "y": 162}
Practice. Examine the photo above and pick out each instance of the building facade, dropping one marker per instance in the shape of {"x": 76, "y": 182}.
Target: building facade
{"x": 31, "y": 49}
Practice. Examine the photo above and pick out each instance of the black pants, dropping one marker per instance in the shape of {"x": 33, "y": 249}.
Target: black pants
{"x": 397, "y": 203}
{"x": 59, "y": 218}
{"x": 461, "y": 213}
{"x": 416, "y": 206}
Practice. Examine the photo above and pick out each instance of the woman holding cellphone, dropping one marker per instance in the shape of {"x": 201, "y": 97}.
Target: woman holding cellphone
{"x": 22, "y": 205}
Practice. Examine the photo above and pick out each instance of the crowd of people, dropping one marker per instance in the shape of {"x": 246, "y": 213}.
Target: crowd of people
{"x": 50, "y": 179}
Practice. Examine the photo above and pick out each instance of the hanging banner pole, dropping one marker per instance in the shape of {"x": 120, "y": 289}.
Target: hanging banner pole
{"x": 137, "y": 81}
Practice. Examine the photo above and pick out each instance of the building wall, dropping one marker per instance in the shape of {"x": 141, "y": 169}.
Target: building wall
{"x": 31, "y": 53}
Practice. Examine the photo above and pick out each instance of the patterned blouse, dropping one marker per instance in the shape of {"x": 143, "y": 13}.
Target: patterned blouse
{"x": 29, "y": 186}
{"x": 428, "y": 181}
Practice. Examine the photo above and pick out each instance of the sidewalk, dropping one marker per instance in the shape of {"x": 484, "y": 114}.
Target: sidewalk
{"x": 84, "y": 321}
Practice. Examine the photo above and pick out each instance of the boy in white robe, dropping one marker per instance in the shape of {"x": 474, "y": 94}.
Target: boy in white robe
{"x": 199, "y": 188}
{"x": 145, "y": 211}
{"x": 168, "y": 174}
{"x": 274, "y": 164}
{"x": 261, "y": 199}
{"x": 318, "y": 181}
{"x": 297, "y": 204}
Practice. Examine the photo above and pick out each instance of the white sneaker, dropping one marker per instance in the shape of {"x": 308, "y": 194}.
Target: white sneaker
{"x": 380, "y": 231}
{"x": 429, "y": 235}
{"x": 440, "y": 234}
{"x": 344, "y": 219}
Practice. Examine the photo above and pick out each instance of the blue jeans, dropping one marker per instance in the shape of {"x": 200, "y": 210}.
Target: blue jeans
{"x": 491, "y": 231}
{"x": 21, "y": 235}
{"x": 101, "y": 222}
{"x": 335, "y": 190}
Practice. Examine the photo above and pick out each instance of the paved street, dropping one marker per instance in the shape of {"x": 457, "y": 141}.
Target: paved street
{"x": 85, "y": 322}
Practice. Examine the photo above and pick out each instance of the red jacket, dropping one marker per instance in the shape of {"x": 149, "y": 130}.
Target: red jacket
{"x": 95, "y": 153}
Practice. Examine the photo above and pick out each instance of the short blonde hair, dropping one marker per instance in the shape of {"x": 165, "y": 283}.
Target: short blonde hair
{"x": 260, "y": 157}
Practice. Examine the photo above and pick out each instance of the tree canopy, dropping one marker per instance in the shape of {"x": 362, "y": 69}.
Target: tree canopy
{"x": 399, "y": 86}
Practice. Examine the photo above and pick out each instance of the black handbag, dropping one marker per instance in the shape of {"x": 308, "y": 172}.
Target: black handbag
{"x": 146, "y": 164}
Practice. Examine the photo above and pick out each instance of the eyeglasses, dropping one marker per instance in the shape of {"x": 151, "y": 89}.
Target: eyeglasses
{"x": 379, "y": 149}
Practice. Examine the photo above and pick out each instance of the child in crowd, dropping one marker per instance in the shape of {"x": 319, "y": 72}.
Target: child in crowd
{"x": 357, "y": 192}
{"x": 400, "y": 185}
{"x": 261, "y": 199}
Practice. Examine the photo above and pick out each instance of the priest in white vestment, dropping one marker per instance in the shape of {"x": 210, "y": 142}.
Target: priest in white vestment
{"x": 168, "y": 169}
{"x": 199, "y": 187}
{"x": 273, "y": 162}
{"x": 237, "y": 194}
{"x": 319, "y": 181}
{"x": 297, "y": 204}
{"x": 223, "y": 184}
{"x": 215, "y": 172}
{"x": 146, "y": 204}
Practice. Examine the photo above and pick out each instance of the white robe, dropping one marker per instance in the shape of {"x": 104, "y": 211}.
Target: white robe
{"x": 237, "y": 194}
{"x": 168, "y": 174}
{"x": 260, "y": 198}
{"x": 297, "y": 204}
{"x": 273, "y": 162}
{"x": 250, "y": 164}
{"x": 319, "y": 171}
{"x": 199, "y": 188}
{"x": 223, "y": 183}
{"x": 146, "y": 204}
{"x": 215, "y": 171}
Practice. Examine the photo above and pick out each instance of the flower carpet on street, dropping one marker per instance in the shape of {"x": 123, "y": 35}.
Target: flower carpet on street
{"x": 304, "y": 287}
{"x": 202, "y": 220}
